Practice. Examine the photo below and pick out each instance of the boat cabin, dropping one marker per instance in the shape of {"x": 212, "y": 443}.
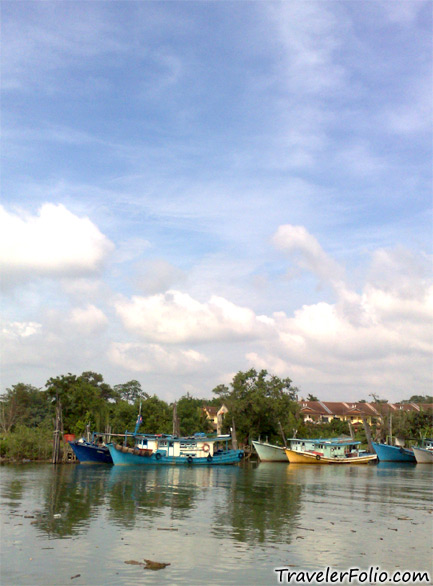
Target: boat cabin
{"x": 326, "y": 448}
{"x": 196, "y": 446}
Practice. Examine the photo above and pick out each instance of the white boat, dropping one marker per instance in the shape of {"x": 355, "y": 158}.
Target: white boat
{"x": 270, "y": 453}
{"x": 424, "y": 455}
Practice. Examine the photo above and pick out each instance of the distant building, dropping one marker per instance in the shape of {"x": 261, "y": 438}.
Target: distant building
{"x": 326, "y": 411}
{"x": 213, "y": 413}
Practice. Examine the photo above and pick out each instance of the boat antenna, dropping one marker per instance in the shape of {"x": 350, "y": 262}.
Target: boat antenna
{"x": 139, "y": 420}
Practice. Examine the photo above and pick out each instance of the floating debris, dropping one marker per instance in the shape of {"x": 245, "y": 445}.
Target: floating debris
{"x": 76, "y": 576}
{"x": 134, "y": 563}
{"x": 167, "y": 529}
{"x": 150, "y": 565}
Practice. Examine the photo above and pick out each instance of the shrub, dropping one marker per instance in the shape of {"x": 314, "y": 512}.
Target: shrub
{"x": 27, "y": 443}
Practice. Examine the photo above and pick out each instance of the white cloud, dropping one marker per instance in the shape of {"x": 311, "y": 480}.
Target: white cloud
{"x": 176, "y": 317}
{"x": 309, "y": 35}
{"x": 16, "y": 330}
{"x": 157, "y": 275}
{"x": 383, "y": 343}
{"x": 155, "y": 358}
{"x": 87, "y": 320}
{"x": 307, "y": 252}
{"x": 53, "y": 243}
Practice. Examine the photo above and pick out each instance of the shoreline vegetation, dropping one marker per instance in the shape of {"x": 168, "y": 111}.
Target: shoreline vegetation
{"x": 259, "y": 404}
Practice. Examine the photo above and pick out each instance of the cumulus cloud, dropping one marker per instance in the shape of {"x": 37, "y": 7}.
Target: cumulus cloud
{"x": 176, "y": 317}
{"x": 87, "y": 320}
{"x": 384, "y": 343}
{"x": 16, "y": 330}
{"x": 51, "y": 244}
{"x": 306, "y": 251}
{"x": 154, "y": 358}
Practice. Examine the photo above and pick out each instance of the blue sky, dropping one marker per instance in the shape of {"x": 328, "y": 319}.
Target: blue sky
{"x": 190, "y": 189}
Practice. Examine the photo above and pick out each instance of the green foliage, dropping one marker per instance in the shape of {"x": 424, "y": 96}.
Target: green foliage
{"x": 420, "y": 424}
{"x": 130, "y": 392}
{"x": 84, "y": 398}
{"x": 28, "y": 443}
{"x": 257, "y": 402}
{"x": 407, "y": 425}
{"x": 157, "y": 416}
{"x": 123, "y": 417}
{"x": 22, "y": 404}
{"x": 419, "y": 399}
{"x": 191, "y": 416}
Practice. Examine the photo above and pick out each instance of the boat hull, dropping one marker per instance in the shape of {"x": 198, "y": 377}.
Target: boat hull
{"x": 423, "y": 456}
{"x": 87, "y": 453}
{"x": 306, "y": 458}
{"x": 270, "y": 453}
{"x": 130, "y": 457}
{"x": 393, "y": 453}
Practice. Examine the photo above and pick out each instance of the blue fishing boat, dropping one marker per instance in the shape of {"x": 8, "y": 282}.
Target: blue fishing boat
{"x": 95, "y": 451}
{"x": 91, "y": 452}
{"x": 387, "y": 453}
{"x": 196, "y": 450}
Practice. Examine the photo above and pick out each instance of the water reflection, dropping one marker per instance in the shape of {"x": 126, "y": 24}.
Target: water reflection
{"x": 12, "y": 492}
{"x": 248, "y": 504}
{"x": 145, "y": 492}
{"x": 72, "y": 496}
{"x": 252, "y": 505}
{"x": 263, "y": 505}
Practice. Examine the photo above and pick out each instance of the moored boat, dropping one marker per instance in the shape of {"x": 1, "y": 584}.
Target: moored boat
{"x": 270, "y": 453}
{"x": 424, "y": 454}
{"x": 327, "y": 452}
{"x": 386, "y": 453}
{"x": 167, "y": 449}
{"x": 93, "y": 452}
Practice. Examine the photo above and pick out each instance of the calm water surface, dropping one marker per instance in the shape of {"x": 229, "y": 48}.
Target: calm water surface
{"x": 228, "y": 525}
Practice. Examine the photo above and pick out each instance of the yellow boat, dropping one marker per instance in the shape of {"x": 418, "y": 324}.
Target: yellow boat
{"x": 327, "y": 452}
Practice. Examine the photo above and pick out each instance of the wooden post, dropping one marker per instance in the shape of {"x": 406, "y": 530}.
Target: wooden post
{"x": 58, "y": 431}
{"x": 282, "y": 433}
{"x": 352, "y": 432}
{"x": 234, "y": 438}
{"x": 176, "y": 424}
{"x": 219, "y": 423}
{"x": 390, "y": 429}
{"x": 368, "y": 435}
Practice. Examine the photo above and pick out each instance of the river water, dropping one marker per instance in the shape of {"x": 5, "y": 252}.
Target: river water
{"x": 78, "y": 525}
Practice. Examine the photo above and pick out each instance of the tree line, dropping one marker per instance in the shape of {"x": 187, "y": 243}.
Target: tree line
{"x": 260, "y": 405}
